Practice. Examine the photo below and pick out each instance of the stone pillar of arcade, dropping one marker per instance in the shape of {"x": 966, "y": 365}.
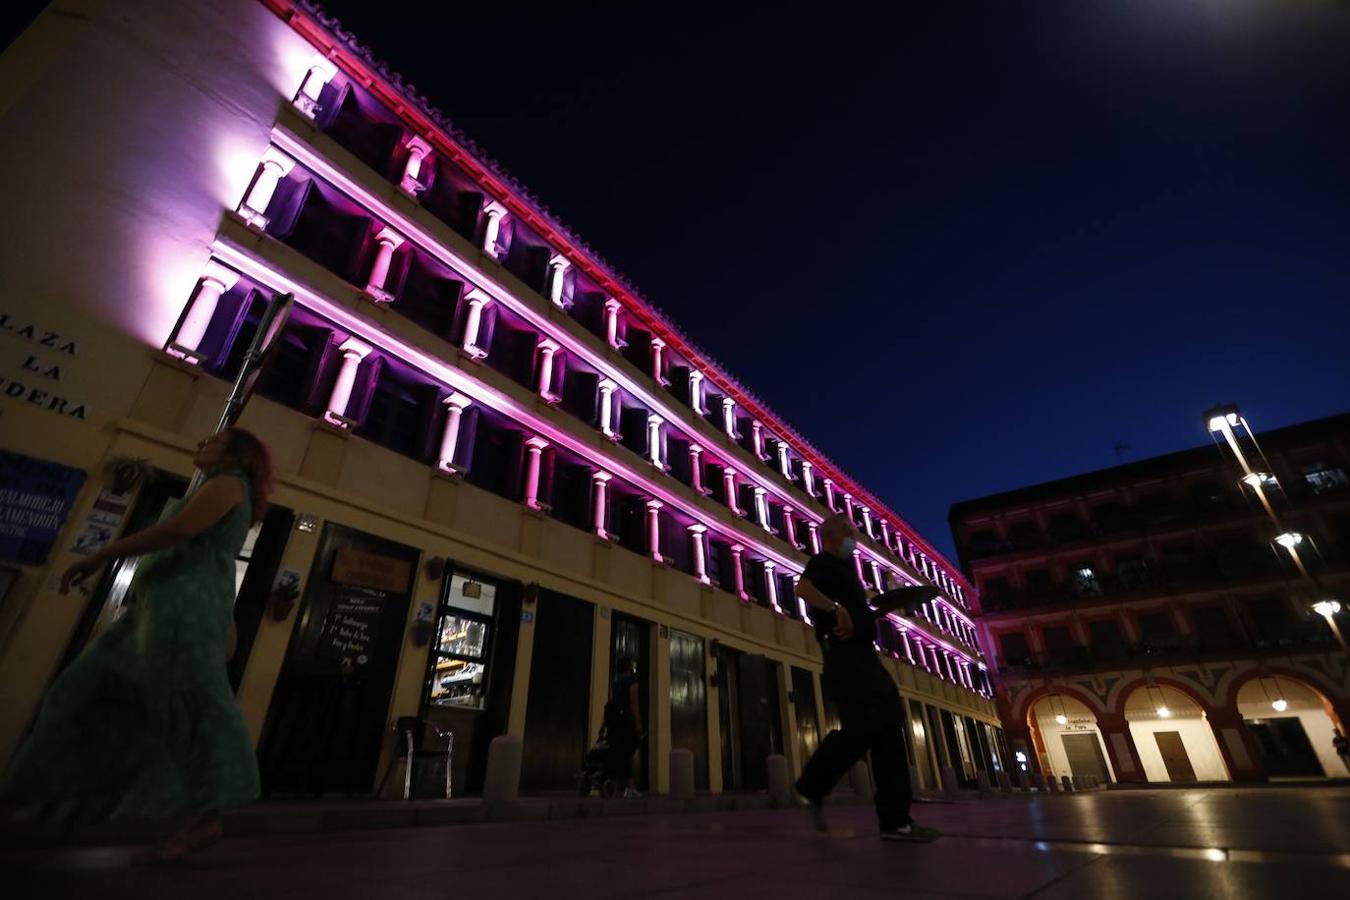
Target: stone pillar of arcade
{"x": 1241, "y": 754}
{"x": 1125, "y": 761}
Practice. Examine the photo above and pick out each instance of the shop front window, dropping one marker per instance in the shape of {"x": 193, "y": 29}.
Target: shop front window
{"x": 463, "y": 638}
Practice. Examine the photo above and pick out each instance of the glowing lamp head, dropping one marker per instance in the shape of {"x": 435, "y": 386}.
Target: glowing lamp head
{"x": 1061, "y": 719}
{"x": 1164, "y": 712}
{"x": 1258, "y": 479}
{"x": 1327, "y": 607}
{"x": 1219, "y": 420}
{"x": 1289, "y": 539}
{"x": 1279, "y": 705}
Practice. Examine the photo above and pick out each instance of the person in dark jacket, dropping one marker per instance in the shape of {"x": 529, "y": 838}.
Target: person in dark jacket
{"x": 870, "y": 712}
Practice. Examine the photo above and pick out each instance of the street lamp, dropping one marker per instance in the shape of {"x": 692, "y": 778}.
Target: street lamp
{"x": 1327, "y": 609}
{"x": 1289, "y": 539}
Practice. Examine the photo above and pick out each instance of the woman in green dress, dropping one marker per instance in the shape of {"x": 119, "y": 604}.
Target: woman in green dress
{"x": 144, "y": 723}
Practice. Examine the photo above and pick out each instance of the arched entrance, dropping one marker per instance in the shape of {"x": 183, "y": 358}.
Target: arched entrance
{"x": 1173, "y": 736}
{"x": 1067, "y": 738}
{"x": 1292, "y": 725}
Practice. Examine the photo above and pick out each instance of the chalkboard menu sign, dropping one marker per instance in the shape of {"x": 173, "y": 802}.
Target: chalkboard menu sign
{"x": 352, "y": 628}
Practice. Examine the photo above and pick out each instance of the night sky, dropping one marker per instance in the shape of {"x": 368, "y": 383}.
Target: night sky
{"x": 963, "y": 247}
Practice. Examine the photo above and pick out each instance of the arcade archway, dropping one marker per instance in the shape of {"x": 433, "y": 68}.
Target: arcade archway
{"x": 1173, "y": 736}
{"x": 1292, "y": 726}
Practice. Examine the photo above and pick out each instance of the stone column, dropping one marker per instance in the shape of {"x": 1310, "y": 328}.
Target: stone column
{"x": 274, "y": 166}
{"x": 1129, "y": 768}
{"x": 696, "y": 392}
{"x": 658, "y": 366}
{"x": 789, "y": 526}
{"x": 736, "y": 551}
{"x": 557, "y": 276}
{"x": 215, "y": 281}
{"x": 353, "y": 351}
{"x": 696, "y": 540}
{"x": 729, "y": 484}
{"x": 612, "y": 309}
{"x": 757, "y": 439}
{"x": 654, "y": 529}
{"x": 547, "y": 347}
{"x": 455, "y": 405}
{"x": 654, "y": 423}
{"x": 829, "y": 494}
{"x": 389, "y": 241}
{"x": 784, "y": 461}
{"x": 478, "y": 302}
{"x": 761, "y": 508}
{"x": 600, "y": 481}
{"x": 808, "y": 478}
{"x": 418, "y": 150}
{"x": 729, "y": 417}
{"x": 535, "y": 447}
{"x": 1240, "y": 751}
{"x": 495, "y": 213}
{"x": 696, "y": 468}
{"x": 607, "y": 389}
{"x": 813, "y": 530}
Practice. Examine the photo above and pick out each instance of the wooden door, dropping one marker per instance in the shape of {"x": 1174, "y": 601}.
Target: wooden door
{"x": 689, "y": 702}
{"x": 1085, "y": 755}
{"x": 1174, "y": 756}
{"x": 557, "y": 709}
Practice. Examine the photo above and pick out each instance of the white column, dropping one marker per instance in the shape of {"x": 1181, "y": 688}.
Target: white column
{"x": 789, "y": 526}
{"x": 654, "y": 529}
{"x": 784, "y": 461}
{"x": 829, "y": 494}
{"x": 965, "y": 675}
{"x": 696, "y": 468}
{"x": 318, "y": 75}
{"x": 353, "y": 351}
{"x": 867, "y": 521}
{"x": 696, "y": 391}
{"x": 736, "y": 551}
{"x": 857, "y": 566}
{"x": 876, "y": 576}
{"x": 607, "y": 389}
{"x": 885, "y": 534}
{"x": 600, "y": 480}
{"x": 848, "y": 505}
{"x": 658, "y": 371}
{"x": 535, "y": 447}
{"x": 478, "y": 302}
{"x": 418, "y": 150}
{"x": 802, "y": 607}
{"x": 495, "y": 213}
{"x": 654, "y": 423}
{"x": 455, "y": 405}
{"x": 909, "y": 651}
{"x": 215, "y": 281}
{"x": 557, "y": 275}
{"x": 772, "y": 582}
{"x": 808, "y": 478}
{"x": 547, "y": 347}
{"x": 761, "y": 508}
{"x": 757, "y": 439}
{"x": 389, "y": 241}
{"x": 729, "y": 417}
{"x": 696, "y": 539}
{"x": 729, "y": 482}
{"x": 814, "y": 531}
{"x": 612, "y": 308}
{"x": 273, "y": 167}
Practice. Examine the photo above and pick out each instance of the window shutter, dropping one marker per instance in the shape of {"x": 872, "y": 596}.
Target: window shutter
{"x": 225, "y": 324}
{"x": 468, "y": 435}
{"x": 487, "y": 327}
{"x": 283, "y": 211}
{"x": 548, "y": 459}
{"x": 324, "y": 359}
{"x": 363, "y": 391}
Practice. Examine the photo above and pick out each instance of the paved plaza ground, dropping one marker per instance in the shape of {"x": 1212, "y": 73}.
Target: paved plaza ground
{"x": 1202, "y": 842}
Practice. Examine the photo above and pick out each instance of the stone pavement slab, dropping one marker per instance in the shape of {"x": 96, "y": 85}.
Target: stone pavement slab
{"x": 1203, "y": 843}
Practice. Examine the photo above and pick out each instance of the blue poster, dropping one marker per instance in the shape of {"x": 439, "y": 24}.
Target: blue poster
{"x": 35, "y": 498}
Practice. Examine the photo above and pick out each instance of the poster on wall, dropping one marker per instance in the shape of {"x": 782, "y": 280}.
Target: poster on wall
{"x": 35, "y": 497}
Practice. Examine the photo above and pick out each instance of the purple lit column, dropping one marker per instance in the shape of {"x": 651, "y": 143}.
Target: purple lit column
{"x": 658, "y": 365}
{"x": 418, "y": 150}
{"x": 808, "y": 478}
{"x": 813, "y": 530}
{"x": 535, "y": 448}
{"x": 612, "y": 311}
{"x": 353, "y": 351}
{"x": 696, "y": 540}
{"x": 455, "y": 405}
{"x": 654, "y": 423}
{"x": 729, "y": 483}
{"x": 547, "y": 347}
{"x": 696, "y": 468}
{"x": 495, "y": 214}
{"x": 654, "y": 529}
{"x": 274, "y": 166}
{"x": 789, "y": 526}
{"x": 600, "y": 483}
{"x": 772, "y": 583}
{"x": 215, "y": 281}
{"x": 829, "y": 494}
{"x": 478, "y": 301}
{"x": 607, "y": 389}
{"x": 736, "y": 551}
{"x": 696, "y": 392}
{"x": 761, "y": 508}
{"x": 389, "y": 241}
{"x": 557, "y": 276}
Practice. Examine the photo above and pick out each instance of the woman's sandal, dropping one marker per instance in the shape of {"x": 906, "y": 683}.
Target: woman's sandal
{"x": 181, "y": 844}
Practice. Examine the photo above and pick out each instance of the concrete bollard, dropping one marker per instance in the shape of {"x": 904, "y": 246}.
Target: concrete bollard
{"x": 1080, "y": 782}
{"x": 1039, "y": 780}
{"x": 860, "y": 777}
{"x": 1004, "y": 783}
{"x": 1091, "y": 782}
{"x": 1053, "y": 784}
{"x": 1066, "y": 783}
{"x": 501, "y": 784}
{"x": 950, "y": 786}
{"x": 983, "y": 778}
{"x": 777, "y": 766}
{"x": 682, "y": 773}
{"x": 1023, "y": 784}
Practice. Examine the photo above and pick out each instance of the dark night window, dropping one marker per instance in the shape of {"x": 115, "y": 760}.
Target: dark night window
{"x": 1213, "y": 627}
{"x": 1273, "y": 619}
{"x": 983, "y": 542}
{"x": 400, "y": 412}
{"x": 1324, "y": 478}
{"x": 1024, "y": 534}
{"x": 1066, "y": 527}
{"x": 572, "y": 492}
{"x": 1059, "y": 644}
{"x": 1106, "y": 639}
{"x": 1156, "y": 630}
{"x": 1014, "y": 647}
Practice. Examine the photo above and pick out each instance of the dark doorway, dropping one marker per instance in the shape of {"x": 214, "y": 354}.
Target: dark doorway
{"x": 559, "y": 699}
{"x": 750, "y": 717}
{"x": 631, "y": 638}
{"x": 1174, "y": 756}
{"x": 925, "y": 751}
{"x": 1285, "y": 749}
{"x": 689, "y": 702}
{"x": 256, "y": 572}
{"x": 808, "y": 720}
{"x": 1084, "y": 752}
{"x": 327, "y": 720}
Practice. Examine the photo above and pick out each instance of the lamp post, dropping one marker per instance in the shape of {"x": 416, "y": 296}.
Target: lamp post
{"x": 1327, "y": 609}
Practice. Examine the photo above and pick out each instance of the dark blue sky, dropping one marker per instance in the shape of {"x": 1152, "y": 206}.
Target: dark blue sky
{"x": 963, "y": 247}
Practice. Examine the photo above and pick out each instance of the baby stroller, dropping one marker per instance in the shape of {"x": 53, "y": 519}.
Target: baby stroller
{"x": 601, "y": 769}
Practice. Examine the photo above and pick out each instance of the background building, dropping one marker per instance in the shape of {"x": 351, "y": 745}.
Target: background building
{"x": 500, "y": 467}
{"x": 1146, "y": 626}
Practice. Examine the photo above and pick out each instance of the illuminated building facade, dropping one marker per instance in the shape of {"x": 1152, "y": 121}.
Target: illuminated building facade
{"x": 500, "y": 469}
{"x": 1147, "y": 623}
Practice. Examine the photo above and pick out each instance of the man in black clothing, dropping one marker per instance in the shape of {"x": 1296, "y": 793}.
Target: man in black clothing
{"x": 870, "y": 712}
